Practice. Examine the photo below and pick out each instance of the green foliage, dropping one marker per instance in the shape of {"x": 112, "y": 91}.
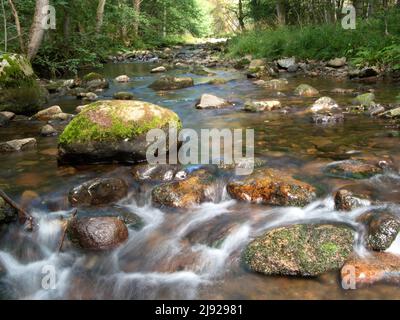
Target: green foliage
{"x": 366, "y": 45}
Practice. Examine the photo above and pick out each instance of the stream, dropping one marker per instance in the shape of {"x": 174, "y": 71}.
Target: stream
{"x": 161, "y": 260}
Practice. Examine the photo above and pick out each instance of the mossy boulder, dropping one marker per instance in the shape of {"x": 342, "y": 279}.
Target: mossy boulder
{"x": 19, "y": 90}
{"x": 109, "y": 131}
{"x": 300, "y": 250}
{"x": 172, "y": 83}
{"x": 123, "y": 96}
{"x": 305, "y": 90}
{"x": 262, "y": 105}
{"x": 94, "y": 81}
{"x": 352, "y": 169}
{"x": 391, "y": 114}
{"x": 272, "y": 187}
{"x": 365, "y": 100}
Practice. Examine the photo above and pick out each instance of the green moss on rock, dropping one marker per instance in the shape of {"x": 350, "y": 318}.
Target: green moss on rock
{"x": 300, "y": 250}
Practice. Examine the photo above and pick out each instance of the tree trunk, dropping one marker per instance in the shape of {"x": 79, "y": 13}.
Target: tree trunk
{"x": 241, "y": 16}
{"x": 136, "y": 6}
{"x": 100, "y": 15}
{"x": 281, "y": 12}
{"x": 5, "y": 26}
{"x": 67, "y": 23}
{"x": 165, "y": 20}
{"x": 17, "y": 26}
{"x": 37, "y": 28}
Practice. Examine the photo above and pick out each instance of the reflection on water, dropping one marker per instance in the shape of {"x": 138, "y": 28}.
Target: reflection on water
{"x": 195, "y": 254}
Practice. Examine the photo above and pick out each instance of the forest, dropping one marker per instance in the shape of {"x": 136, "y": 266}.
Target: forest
{"x": 199, "y": 150}
{"x": 87, "y": 32}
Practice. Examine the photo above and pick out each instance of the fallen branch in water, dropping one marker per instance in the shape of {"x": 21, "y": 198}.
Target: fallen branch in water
{"x": 65, "y": 230}
{"x": 23, "y": 216}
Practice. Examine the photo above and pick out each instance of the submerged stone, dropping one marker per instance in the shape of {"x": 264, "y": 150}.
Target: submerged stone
{"x": 306, "y": 90}
{"x": 352, "y": 169}
{"x": 123, "y": 96}
{"x": 300, "y": 250}
{"x": 172, "y": 83}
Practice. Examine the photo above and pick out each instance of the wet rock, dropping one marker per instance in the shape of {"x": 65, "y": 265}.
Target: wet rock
{"x": 8, "y": 115}
{"x": 391, "y": 114}
{"x": 80, "y": 108}
{"x": 272, "y": 187}
{"x": 158, "y": 172}
{"x": 131, "y": 220}
{"x": 328, "y": 118}
{"x": 4, "y": 120}
{"x": 352, "y": 169}
{"x": 187, "y": 193}
{"x": 342, "y": 91}
{"x": 47, "y": 114}
{"x": 286, "y": 63}
{"x": 122, "y": 79}
{"x": 172, "y": 83}
{"x": 382, "y": 229}
{"x": 201, "y": 71}
{"x": 346, "y": 201}
{"x": 218, "y": 81}
{"x": 20, "y": 92}
{"x": 306, "y": 90}
{"x": 293, "y": 68}
{"x": 212, "y": 233}
{"x": 93, "y": 81}
{"x": 17, "y": 145}
{"x": 98, "y": 191}
{"x": 365, "y": 100}
{"x": 300, "y": 250}
{"x": 88, "y": 96}
{"x": 256, "y": 64}
{"x": 376, "y": 110}
{"x": 262, "y": 105}
{"x": 48, "y": 131}
{"x": 324, "y": 104}
{"x": 97, "y": 233}
{"x": 115, "y": 130}
{"x": 276, "y": 84}
{"x": 377, "y": 267}
{"x": 209, "y": 101}
{"x": 337, "y": 62}
{"x": 364, "y": 73}
{"x": 7, "y": 213}
{"x": 123, "y": 96}
{"x": 158, "y": 70}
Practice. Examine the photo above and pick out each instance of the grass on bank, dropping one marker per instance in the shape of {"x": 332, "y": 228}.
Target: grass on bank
{"x": 368, "y": 44}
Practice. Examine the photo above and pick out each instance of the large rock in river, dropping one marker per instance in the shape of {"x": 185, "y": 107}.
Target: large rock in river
{"x": 107, "y": 131}
{"x": 190, "y": 192}
{"x": 98, "y": 192}
{"x": 7, "y": 213}
{"x": 272, "y": 187}
{"x": 300, "y": 250}
{"x": 97, "y": 233}
{"x": 20, "y": 93}
{"x": 172, "y": 83}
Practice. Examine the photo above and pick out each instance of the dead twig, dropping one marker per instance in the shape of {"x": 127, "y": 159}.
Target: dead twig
{"x": 23, "y": 216}
{"x": 73, "y": 214}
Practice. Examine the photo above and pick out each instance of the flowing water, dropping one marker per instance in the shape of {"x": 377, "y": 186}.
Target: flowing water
{"x": 172, "y": 256}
